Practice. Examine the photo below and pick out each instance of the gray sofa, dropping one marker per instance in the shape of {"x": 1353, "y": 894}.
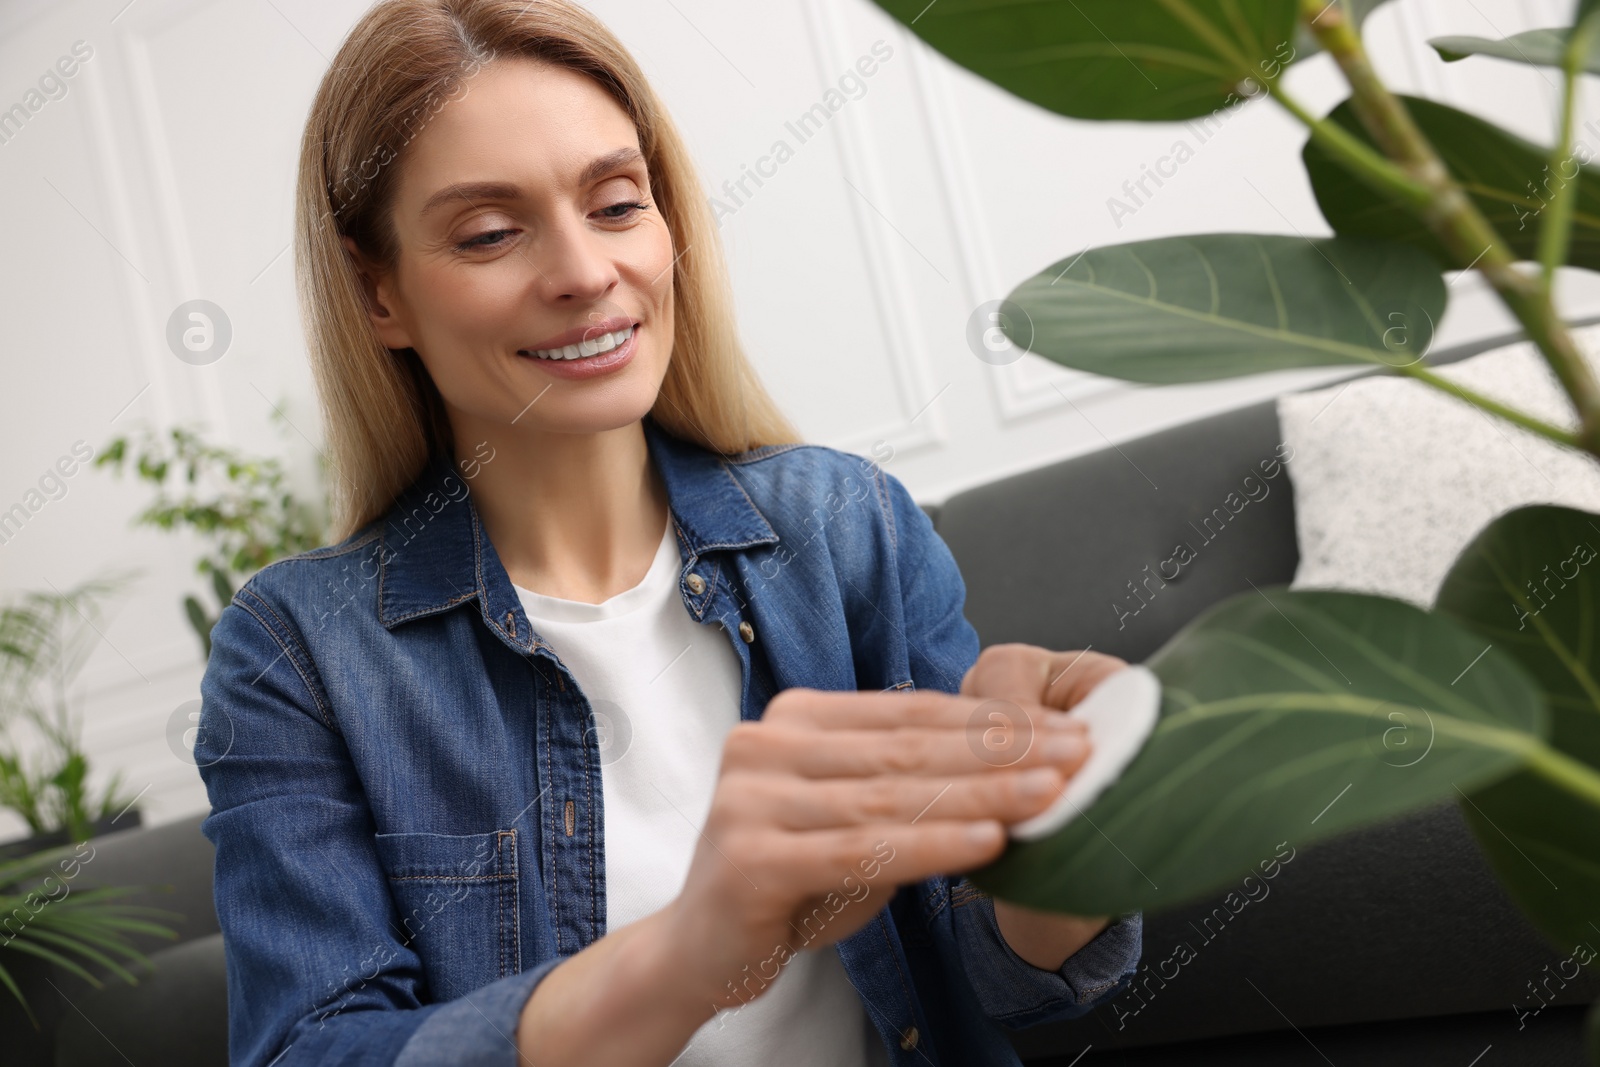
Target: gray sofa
{"x": 1392, "y": 945}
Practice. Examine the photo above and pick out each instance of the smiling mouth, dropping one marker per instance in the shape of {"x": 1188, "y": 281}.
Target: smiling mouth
{"x": 583, "y": 349}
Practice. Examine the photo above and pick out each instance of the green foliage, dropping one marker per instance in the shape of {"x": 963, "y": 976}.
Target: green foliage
{"x": 43, "y": 915}
{"x": 44, "y": 639}
{"x": 1507, "y": 177}
{"x": 1530, "y": 584}
{"x": 1286, "y": 716}
{"x": 1536, "y": 48}
{"x": 1279, "y": 709}
{"x": 241, "y": 505}
{"x": 1185, "y": 309}
{"x": 1111, "y": 59}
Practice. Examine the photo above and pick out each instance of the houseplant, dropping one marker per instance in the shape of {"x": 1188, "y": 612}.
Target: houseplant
{"x": 1275, "y": 700}
{"x": 44, "y": 916}
{"x": 44, "y": 640}
{"x": 242, "y": 505}
{"x": 45, "y": 637}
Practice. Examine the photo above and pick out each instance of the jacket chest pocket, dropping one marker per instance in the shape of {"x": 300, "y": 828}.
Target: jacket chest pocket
{"x": 457, "y": 899}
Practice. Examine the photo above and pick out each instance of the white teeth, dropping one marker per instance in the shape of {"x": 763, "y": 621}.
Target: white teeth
{"x": 584, "y": 349}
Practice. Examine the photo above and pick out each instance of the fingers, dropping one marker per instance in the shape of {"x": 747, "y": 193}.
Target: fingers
{"x": 803, "y": 804}
{"x": 1007, "y": 737}
{"x": 815, "y": 861}
{"x": 1021, "y": 672}
{"x": 930, "y": 709}
{"x": 1009, "y": 671}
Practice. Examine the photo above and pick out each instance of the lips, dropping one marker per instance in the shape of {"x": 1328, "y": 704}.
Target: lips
{"x": 589, "y": 332}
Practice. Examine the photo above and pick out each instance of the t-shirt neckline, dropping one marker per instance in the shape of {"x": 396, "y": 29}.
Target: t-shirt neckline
{"x": 656, "y": 580}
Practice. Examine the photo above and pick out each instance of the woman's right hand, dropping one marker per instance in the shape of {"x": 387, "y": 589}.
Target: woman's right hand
{"x": 832, "y": 799}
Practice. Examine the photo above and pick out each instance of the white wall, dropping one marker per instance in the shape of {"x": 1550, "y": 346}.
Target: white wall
{"x": 165, "y": 173}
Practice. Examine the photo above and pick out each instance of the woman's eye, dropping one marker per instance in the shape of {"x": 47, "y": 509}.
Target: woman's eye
{"x": 625, "y": 209}
{"x": 483, "y": 240}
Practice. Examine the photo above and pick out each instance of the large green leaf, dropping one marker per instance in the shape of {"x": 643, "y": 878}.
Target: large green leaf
{"x": 1286, "y": 717}
{"x": 1537, "y": 48}
{"x": 1530, "y": 583}
{"x": 1150, "y": 60}
{"x": 1187, "y": 309}
{"x": 1504, "y": 175}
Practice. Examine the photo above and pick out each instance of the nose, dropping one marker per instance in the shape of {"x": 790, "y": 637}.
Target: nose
{"x": 573, "y": 264}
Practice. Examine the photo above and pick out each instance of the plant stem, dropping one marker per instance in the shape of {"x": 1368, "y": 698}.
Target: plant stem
{"x": 1528, "y": 422}
{"x": 1556, "y": 229}
{"x": 1453, "y": 217}
{"x": 1356, "y": 155}
{"x": 1561, "y": 770}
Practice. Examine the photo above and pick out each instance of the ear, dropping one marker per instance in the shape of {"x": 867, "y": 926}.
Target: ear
{"x": 380, "y": 298}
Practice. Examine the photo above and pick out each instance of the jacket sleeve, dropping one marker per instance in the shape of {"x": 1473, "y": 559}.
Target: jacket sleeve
{"x": 316, "y": 971}
{"x": 942, "y": 646}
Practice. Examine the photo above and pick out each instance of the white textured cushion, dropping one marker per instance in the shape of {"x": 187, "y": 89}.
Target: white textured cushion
{"x": 1393, "y": 478}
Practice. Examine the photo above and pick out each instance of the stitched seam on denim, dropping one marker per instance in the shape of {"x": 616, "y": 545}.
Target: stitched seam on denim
{"x": 550, "y": 843}
{"x": 325, "y": 552}
{"x": 595, "y": 903}
{"x": 938, "y": 898}
{"x": 312, "y": 685}
{"x": 1007, "y": 951}
{"x": 964, "y": 893}
{"x": 447, "y": 605}
{"x": 500, "y": 845}
{"x": 765, "y": 451}
{"x": 740, "y": 486}
{"x": 883, "y": 928}
{"x": 453, "y": 878}
{"x": 516, "y": 904}
{"x": 881, "y": 483}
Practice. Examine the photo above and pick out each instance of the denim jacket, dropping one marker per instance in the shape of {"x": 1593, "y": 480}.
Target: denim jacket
{"x": 405, "y": 781}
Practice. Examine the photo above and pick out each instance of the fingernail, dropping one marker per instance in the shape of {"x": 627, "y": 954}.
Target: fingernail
{"x": 1038, "y": 782}
{"x": 1060, "y": 720}
{"x": 983, "y": 833}
{"x": 1067, "y": 747}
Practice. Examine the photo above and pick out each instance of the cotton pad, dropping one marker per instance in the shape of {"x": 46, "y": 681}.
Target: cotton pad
{"x": 1120, "y": 714}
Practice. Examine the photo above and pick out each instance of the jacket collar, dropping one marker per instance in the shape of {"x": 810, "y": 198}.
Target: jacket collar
{"x": 435, "y": 554}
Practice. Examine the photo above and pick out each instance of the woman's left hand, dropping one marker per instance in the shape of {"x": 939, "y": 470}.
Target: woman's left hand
{"x": 1059, "y": 680}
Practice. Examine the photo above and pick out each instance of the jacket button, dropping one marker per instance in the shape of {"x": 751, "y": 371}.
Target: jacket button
{"x": 747, "y": 632}
{"x": 908, "y": 1038}
{"x": 697, "y": 584}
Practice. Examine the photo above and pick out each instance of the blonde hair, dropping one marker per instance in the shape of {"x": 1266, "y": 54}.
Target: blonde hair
{"x": 403, "y": 61}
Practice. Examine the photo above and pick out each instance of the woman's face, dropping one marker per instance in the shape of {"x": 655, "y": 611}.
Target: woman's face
{"x": 526, "y": 225}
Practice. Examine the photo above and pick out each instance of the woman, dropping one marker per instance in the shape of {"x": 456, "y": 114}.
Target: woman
{"x": 610, "y": 730}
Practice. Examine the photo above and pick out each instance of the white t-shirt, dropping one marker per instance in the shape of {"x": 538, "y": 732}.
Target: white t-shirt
{"x": 665, "y": 690}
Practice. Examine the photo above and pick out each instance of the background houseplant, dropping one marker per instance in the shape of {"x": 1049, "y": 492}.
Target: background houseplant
{"x": 241, "y": 505}
{"x": 44, "y": 640}
{"x": 1277, "y": 702}
{"x": 44, "y": 916}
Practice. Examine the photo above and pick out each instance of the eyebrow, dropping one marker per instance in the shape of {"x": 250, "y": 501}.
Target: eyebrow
{"x": 471, "y": 191}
